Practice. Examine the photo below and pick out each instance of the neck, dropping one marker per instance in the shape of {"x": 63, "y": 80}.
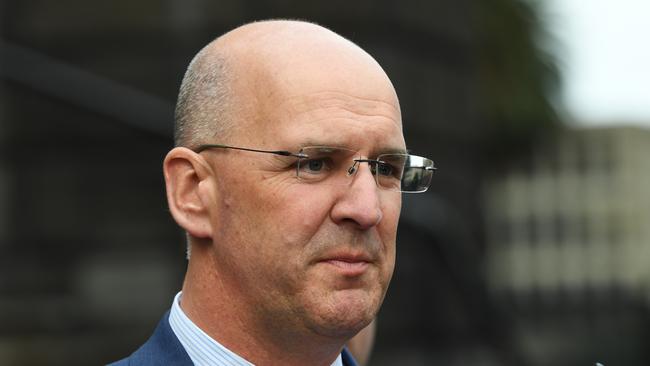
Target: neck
{"x": 218, "y": 305}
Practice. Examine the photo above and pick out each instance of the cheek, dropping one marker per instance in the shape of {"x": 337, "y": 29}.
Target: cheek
{"x": 277, "y": 214}
{"x": 388, "y": 232}
{"x": 391, "y": 208}
{"x": 302, "y": 215}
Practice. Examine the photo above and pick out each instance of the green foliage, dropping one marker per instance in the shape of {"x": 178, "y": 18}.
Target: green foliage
{"x": 517, "y": 76}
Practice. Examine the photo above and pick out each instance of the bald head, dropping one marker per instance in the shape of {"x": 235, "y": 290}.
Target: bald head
{"x": 240, "y": 76}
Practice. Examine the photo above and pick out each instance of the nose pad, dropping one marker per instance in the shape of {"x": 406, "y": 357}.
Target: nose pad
{"x": 353, "y": 168}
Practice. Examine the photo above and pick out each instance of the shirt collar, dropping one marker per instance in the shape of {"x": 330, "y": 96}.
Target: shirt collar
{"x": 203, "y": 349}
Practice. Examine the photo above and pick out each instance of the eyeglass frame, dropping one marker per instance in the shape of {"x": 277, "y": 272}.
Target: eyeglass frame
{"x": 299, "y": 155}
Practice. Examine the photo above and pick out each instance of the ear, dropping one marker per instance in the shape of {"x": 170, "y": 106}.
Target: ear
{"x": 188, "y": 195}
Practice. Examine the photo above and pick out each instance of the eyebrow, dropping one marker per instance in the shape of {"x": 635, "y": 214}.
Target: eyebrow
{"x": 311, "y": 142}
{"x": 380, "y": 151}
{"x": 394, "y": 151}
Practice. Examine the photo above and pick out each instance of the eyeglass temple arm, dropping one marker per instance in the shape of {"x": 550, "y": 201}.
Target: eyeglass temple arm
{"x": 276, "y": 152}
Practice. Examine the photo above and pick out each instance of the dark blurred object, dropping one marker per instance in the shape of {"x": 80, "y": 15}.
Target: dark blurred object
{"x": 89, "y": 255}
{"x": 518, "y": 78}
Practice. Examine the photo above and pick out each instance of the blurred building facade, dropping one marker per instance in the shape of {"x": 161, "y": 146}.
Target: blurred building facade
{"x": 569, "y": 242}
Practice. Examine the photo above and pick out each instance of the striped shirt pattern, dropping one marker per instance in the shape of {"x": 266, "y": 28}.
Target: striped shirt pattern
{"x": 202, "y": 349}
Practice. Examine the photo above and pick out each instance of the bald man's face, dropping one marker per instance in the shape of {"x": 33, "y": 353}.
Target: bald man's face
{"x": 309, "y": 257}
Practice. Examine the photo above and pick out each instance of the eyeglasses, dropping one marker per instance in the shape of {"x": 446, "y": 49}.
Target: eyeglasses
{"x": 337, "y": 165}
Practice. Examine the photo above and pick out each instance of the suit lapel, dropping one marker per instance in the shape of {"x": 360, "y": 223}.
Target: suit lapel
{"x": 163, "y": 348}
{"x": 347, "y": 358}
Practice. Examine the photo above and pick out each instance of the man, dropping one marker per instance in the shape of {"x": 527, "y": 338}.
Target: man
{"x": 286, "y": 177}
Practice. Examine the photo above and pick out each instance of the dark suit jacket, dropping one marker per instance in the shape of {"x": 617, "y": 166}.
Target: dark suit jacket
{"x": 163, "y": 348}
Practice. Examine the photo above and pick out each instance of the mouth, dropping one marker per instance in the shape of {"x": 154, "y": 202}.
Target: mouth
{"x": 348, "y": 264}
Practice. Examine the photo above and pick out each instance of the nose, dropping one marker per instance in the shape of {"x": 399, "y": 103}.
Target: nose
{"x": 359, "y": 203}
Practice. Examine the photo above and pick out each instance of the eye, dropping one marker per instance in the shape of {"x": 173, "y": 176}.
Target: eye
{"x": 315, "y": 165}
{"x": 384, "y": 169}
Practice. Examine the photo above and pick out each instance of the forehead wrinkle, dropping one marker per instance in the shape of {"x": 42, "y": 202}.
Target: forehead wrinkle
{"x": 334, "y": 102}
{"x": 338, "y": 95}
{"x": 369, "y": 121}
{"x": 357, "y": 136}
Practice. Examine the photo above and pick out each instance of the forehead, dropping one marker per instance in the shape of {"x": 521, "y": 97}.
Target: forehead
{"x": 336, "y": 118}
{"x": 322, "y": 88}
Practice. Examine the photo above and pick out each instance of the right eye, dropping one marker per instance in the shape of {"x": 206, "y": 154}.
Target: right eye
{"x": 315, "y": 166}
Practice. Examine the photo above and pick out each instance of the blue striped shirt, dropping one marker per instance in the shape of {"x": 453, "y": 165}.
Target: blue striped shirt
{"x": 202, "y": 349}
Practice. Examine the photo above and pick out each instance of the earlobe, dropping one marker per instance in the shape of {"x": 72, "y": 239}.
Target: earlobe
{"x": 184, "y": 172}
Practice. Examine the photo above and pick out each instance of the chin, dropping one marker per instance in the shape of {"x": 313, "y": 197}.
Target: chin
{"x": 341, "y": 329}
{"x": 345, "y": 314}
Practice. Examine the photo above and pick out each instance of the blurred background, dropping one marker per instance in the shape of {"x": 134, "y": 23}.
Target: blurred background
{"x": 532, "y": 247}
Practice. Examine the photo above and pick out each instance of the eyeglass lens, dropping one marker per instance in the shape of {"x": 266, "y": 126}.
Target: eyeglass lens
{"x": 336, "y": 166}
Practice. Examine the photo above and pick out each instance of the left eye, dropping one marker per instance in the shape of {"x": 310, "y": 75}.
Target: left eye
{"x": 384, "y": 169}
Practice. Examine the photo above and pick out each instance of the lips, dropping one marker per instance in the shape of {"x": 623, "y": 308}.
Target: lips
{"x": 348, "y": 263}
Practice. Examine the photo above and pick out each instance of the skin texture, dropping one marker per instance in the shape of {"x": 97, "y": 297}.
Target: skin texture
{"x": 270, "y": 274}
